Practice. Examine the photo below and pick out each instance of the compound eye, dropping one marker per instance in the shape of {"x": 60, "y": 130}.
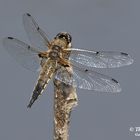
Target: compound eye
{"x": 62, "y": 36}
{"x": 69, "y": 38}
{"x": 65, "y": 36}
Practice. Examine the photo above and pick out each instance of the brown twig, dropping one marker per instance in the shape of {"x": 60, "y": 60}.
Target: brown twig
{"x": 65, "y": 98}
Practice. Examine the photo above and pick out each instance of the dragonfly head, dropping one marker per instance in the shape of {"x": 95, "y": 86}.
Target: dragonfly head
{"x": 64, "y": 35}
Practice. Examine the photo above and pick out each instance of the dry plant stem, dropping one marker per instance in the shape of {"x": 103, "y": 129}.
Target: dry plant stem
{"x": 65, "y": 98}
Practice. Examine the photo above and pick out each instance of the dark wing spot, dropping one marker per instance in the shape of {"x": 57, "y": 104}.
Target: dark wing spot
{"x": 39, "y": 55}
{"x": 37, "y": 28}
{"x": 29, "y": 47}
{"x": 28, "y": 15}
{"x": 97, "y": 52}
{"x": 86, "y": 70}
{"x": 114, "y": 80}
{"x": 124, "y": 53}
{"x": 10, "y": 38}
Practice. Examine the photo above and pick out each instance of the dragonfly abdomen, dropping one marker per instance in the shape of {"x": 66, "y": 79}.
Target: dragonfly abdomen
{"x": 46, "y": 74}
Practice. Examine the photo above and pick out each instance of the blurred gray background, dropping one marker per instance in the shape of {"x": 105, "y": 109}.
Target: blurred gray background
{"x": 94, "y": 24}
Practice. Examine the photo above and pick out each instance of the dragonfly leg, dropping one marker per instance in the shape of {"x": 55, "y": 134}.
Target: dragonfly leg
{"x": 64, "y": 62}
{"x": 43, "y": 55}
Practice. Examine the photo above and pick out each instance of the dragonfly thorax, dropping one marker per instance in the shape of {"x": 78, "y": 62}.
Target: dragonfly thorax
{"x": 56, "y": 48}
{"x": 55, "y": 52}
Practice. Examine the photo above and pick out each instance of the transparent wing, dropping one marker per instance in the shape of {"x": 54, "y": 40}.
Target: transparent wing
{"x": 86, "y": 79}
{"x": 102, "y": 59}
{"x": 22, "y": 53}
{"x": 35, "y": 34}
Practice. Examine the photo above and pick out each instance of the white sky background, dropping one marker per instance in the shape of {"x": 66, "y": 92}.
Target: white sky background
{"x": 94, "y": 24}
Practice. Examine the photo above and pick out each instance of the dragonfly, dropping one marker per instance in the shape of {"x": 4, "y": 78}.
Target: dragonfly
{"x": 51, "y": 58}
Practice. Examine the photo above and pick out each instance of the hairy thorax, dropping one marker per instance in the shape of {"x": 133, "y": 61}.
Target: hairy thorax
{"x": 56, "y": 49}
